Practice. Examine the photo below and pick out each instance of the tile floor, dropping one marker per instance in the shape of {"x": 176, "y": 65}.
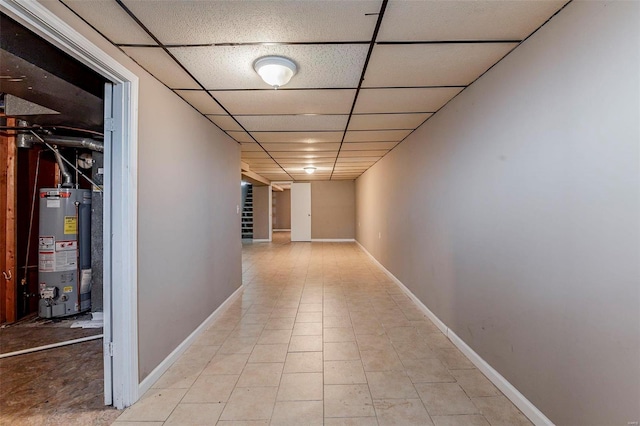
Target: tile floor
{"x": 321, "y": 336}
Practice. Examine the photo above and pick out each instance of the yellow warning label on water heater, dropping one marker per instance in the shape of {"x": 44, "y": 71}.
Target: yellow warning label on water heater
{"x": 70, "y": 225}
{"x": 67, "y": 289}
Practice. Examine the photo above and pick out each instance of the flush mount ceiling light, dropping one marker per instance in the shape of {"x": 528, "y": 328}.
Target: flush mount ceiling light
{"x": 309, "y": 169}
{"x": 276, "y": 71}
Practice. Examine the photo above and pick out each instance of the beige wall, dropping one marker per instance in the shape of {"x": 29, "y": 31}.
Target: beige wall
{"x": 261, "y": 212}
{"x": 189, "y": 246}
{"x": 333, "y": 209}
{"x": 513, "y": 214}
{"x": 282, "y": 213}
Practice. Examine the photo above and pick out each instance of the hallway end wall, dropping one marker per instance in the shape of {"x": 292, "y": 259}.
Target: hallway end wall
{"x": 513, "y": 215}
{"x": 282, "y": 214}
{"x": 189, "y": 246}
{"x": 333, "y": 209}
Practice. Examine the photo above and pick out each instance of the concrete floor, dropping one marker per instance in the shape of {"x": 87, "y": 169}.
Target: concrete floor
{"x": 61, "y": 386}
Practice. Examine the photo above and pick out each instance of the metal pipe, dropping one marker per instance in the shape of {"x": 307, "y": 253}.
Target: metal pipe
{"x": 51, "y": 346}
{"x": 71, "y": 142}
{"x": 67, "y": 179}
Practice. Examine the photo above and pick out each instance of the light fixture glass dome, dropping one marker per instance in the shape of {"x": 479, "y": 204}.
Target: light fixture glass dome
{"x": 276, "y": 71}
{"x": 309, "y": 169}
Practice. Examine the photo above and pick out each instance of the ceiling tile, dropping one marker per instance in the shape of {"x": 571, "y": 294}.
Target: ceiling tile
{"x": 201, "y": 101}
{"x": 225, "y": 122}
{"x": 464, "y": 20}
{"x": 256, "y": 154}
{"x": 404, "y": 100}
{"x": 386, "y": 121}
{"x": 364, "y": 146}
{"x": 307, "y": 137}
{"x": 363, "y": 154}
{"x": 240, "y": 136}
{"x": 165, "y": 69}
{"x": 432, "y": 64}
{"x": 251, "y": 146}
{"x": 204, "y": 22}
{"x": 287, "y": 101}
{"x": 103, "y": 14}
{"x": 301, "y": 147}
{"x": 303, "y": 122}
{"x": 376, "y": 135}
{"x": 297, "y": 156}
{"x": 231, "y": 67}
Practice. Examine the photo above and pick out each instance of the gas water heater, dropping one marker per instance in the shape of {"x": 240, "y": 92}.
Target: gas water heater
{"x": 64, "y": 252}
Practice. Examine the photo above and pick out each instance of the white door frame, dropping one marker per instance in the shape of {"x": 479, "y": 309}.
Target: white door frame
{"x": 120, "y": 192}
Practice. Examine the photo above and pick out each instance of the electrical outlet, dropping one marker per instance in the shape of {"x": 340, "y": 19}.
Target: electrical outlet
{"x": 632, "y": 423}
{"x": 379, "y": 235}
{"x": 237, "y": 209}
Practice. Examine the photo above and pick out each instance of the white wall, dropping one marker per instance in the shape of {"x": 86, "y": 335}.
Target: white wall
{"x": 189, "y": 246}
{"x": 514, "y": 215}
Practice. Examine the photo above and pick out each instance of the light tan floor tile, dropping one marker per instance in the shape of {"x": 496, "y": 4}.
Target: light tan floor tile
{"x": 453, "y": 359}
{"x": 427, "y": 370}
{"x": 374, "y": 342}
{"x": 344, "y": 373}
{"x": 339, "y": 334}
{"x": 250, "y": 404}
{"x": 242, "y": 423}
{"x": 425, "y": 326}
{"x": 238, "y": 345}
{"x": 226, "y": 364}
{"x": 401, "y": 412}
{"x": 336, "y": 321}
{"x": 195, "y": 414}
{"x": 269, "y": 353}
{"x": 309, "y": 317}
{"x": 342, "y": 351}
{"x": 417, "y": 349}
{"x": 438, "y": 341}
{"x": 461, "y": 420}
{"x": 212, "y": 338}
{"x": 255, "y": 318}
{"x": 305, "y": 344}
{"x": 211, "y": 388}
{"x": 284, "y": 312}
{"x": 474, "y": 383}
{"x": 445, "y": 399}
{"x": 155, "y": 405}
{"x": 261, "y": 374}
{"x": 179, "y": 376}
{"x": 499, "y": 411}
{"x": 198, "y": 355}
{"x": 390, "y": 384}
{"x": 347, "y": 401}
{"x": 295, "y": 413}
{"x": 300, "y": 387}
{"x": 303, "y": 362}
{"x": 310, "y": 307}
{"x": 124, "y": 423}
{"x": 307, "y": 329}
{"x": 274, "y": 336}
{"x": 280, "y": 324}
{"x": 386, "y": 360}
{"x": 351, "y": 421}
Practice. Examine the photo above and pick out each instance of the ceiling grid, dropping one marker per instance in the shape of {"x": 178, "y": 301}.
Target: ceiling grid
{"x": 369, "y": 71}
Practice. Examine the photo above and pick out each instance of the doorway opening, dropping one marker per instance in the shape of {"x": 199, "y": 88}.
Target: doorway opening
{"x": 281, "y": 212}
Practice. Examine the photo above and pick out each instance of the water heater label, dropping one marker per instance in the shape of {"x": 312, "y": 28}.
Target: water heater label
{"x": 53, "y": 203}
{"x": 66, "y": 260}
{"x": 70, "y": 225}
{"x": 46, "y": 243}
{"x": 66, "y": 245}
{"x": 47, "y": 261}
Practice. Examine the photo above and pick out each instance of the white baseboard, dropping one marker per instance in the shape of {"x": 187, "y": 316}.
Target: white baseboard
{"x": 262, "y": 240}
{"x": 282, "y": 230}
{"x": 528, "y": 409}
{"x": 157, "y": 372}
{"x": 332, "y": 240}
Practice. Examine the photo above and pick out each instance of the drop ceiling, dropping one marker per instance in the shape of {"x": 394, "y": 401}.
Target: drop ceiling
{"x": 369, "y": 72}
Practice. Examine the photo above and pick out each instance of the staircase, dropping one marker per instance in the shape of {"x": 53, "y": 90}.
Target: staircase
{"x": 247, "y": 215}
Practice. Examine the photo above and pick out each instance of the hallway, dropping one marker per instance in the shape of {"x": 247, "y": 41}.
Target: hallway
{"x": 319, "y": 336}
